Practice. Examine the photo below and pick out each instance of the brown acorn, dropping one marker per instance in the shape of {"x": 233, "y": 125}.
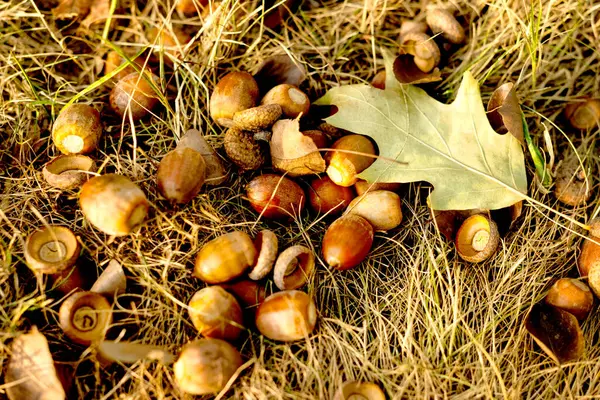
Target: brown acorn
{"x": 477, "y": 238}
{"x": 236, "y": 91}
{"x": 181, "y": 174}
{"x": 134, "y": 94}
{"x": 361, "y": 186}
{"x": 225, "y": 258}
{"x": 382, "y": 208}
{"x": 590, "y": 251}
{"x": 347, "y": 242}
{"x": 345, "y": 166}
{"x": 292, "y": 100}
{"x": 327, "y": 197}
{"x": 287, "y": 316}
{"x": 77, "y": 129}
{"x": 571, "y": 295}
{"x": 216, "y": 313}
{"x": 583, "y": 114}
{"x": 443, "y": 22}
{"x": 275, "y": 196}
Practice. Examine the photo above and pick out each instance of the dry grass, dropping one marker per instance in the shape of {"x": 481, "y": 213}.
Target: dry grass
{"x": 412, "y": 317}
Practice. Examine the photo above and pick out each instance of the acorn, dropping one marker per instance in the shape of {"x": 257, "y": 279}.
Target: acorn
{"x": 257, "y": 118}
{"x": 114, "y": 61}
{"x": 442, "y": 22}
{"x": 294, "y": 267}
{"x": 77, "y": 129}
{"x": 84, "y": 317}
{"x": 412, "y": 26}
{"x": 205, "y": 366}
{"x": 378, "y": 80}
{"x": 424, "y": 49}
{"x": 275, "y": 196}
{"x": 590, "y": 251}
{"x": 477, "y": 238}
{"x": 571, "y": 295}
{"x": 352, "y": 390}
{"x": 225, "y": 258}
{"x": 572, "y": 186}
{"x": 292, "y": 100}
{"x": 190, "y": 6}
{"x": 325, "y": 196}
{"x": 216, "y": 313}
{"x": 287, "y": 316}
{"x": 243, "y": 150}
{"x": 318, "y": 137}
{"x": 170, "y": 42}
{"x": 134, "y": 94}
{"x": 236, "y": 91}
{"x": 68, "y": 171}
{"x": 382, "y": 208}
{"x": 583, "y": 114}
{"x": 267, "y": 246}
{"x": 347, "y": 242}
{"x": 215, "y": 171}
{"x": 250, "y": 294}
{"x": 343, "y": 166}
{"x": 361, "y": 186}
{"x": 181, "y": 174}
{"x": 113, "y": 204}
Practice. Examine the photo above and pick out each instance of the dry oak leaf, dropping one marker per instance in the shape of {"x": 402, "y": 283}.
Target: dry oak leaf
{"x": 293, "y": 152}
{"x": 452, "y": 146}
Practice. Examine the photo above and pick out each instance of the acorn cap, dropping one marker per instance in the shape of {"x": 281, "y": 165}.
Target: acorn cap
{"x": 359, "y": 390}
{"x": 51, "y": 249}
{"x": 84, "y": 317}
{"x": 442, "y": 21}
{"x": 267, "y": 246}
{"x": 294, "y": 267}
{"x": 242, "y": 150}
{"x": 68, "y": 171}
{"x": 423, "y": 48}
{"x": 556, "y": 331}
{"x": 257, "y": 118}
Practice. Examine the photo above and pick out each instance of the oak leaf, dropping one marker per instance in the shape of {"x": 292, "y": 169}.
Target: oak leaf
{"x": 452, "y": 146}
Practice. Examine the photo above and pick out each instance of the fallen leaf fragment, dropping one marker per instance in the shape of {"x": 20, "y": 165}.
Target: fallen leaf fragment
{"x": 452, "y": 146}
{"x": 277, "y": 70}
{"x": 112, "y": 280}
{"x": 504, "y": 111}
{"x": 30, "y": 373}
{"x": 71, "y": 9}
{"x": 99, "y": 13}
{"x": 109, "y": 351}
{"x": 406, "y": 71}
{"x": 556, "y": 331}
{"x": 293, "y": 152}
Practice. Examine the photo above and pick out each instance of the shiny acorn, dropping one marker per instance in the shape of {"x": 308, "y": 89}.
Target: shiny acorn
{"x": 347, "y": 242}
{"x": 181, "y": 174}
{"x": 571, "y": 295}
{"x": 225, "y": 258}
{"x": 343, "y": 167}
{"x": 205, "y": 366}
{"x": 235, "y": 92}
{"x": 113, "y": 204}
{"x": 275, "y": 196}
{"x": 583, "y": 114}
{"x": 216, "y": 313}
{"x": 77, "y": 129}
{"x": 477, "y": 238}
{"x": 287, "y": 316}
{"x": 134, "y": 94}
{"x": 382, "y": 208}
{"x": 325, "y": 196}
{"x": 292, "y": 100}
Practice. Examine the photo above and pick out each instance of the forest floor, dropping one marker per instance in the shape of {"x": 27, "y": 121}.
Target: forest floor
{"x": 413, "y": 317}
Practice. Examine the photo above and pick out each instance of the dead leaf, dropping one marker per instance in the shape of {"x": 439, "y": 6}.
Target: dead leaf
{"x": 30, "y": 373}
{"x": 99, "y": 13}
{"x": 277, "y": 70}
{"x": 71, "y": 9}
{"x": 556, "y": 331}
{"x": 452, "y": 146}
{"x": 293, "y": 152}
{"x": 112, "y": 281}
{"x": 406, "y": 71}
{"x": 504, "y": 111}
{"x": 109, "y": 351}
